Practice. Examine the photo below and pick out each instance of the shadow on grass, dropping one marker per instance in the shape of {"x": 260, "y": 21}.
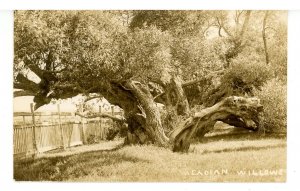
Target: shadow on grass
{"x": 60, "y": 152}
{"x": 69, "y": 167}
{"x": 72, "y": 166}
{"x": 249, "y": 148}
{"x": 235, "y": 136}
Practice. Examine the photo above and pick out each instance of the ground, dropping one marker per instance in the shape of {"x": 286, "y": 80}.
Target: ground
{"x": 229, "y": 158}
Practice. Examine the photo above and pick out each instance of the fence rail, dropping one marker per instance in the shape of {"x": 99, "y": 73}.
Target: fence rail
{"x": 16, "y": 114}
{"x": 45, "y": 131}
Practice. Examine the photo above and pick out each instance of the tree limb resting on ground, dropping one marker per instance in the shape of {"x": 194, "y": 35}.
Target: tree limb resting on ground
{"x": 246, "y": 109}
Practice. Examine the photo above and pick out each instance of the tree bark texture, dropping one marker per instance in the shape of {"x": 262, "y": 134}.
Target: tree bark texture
{"x": 245, "y": 109}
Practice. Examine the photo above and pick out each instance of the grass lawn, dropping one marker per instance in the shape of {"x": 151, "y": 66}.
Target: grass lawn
{"x": 219, "y": 159}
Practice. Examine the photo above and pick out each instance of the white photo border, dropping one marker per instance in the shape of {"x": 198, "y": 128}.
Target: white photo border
{"x": 150, "y": 4}
{"x": 6, "y": 101}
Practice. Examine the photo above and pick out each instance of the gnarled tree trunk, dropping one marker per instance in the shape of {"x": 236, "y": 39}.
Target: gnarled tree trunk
{"x": 150, "y": 112}
{"x": 143, "y": 117}
{"x": 245, "y": 109}
{"x": 142, "y": 111}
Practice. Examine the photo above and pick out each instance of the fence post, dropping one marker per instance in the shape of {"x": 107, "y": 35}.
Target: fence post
{"x": 112, "y": 110}
{"x": 113, "y": 113}
{"x": 60, "y": 128}
{"x": 71, "y": 132}
{"x": 24, "y": 121}
{"x": 35, "y": 149}
{"x": 82, "y": 125}
{"x": 100, "y": 123}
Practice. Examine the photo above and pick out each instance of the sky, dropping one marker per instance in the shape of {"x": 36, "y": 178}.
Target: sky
{"x": 22, "y": 104}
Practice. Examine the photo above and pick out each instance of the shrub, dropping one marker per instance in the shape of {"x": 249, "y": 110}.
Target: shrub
{"x": 239, "y": 79}
{"x": 243, "y": 78}
{"x": 92, "y": 139}
{"x": 273, "y": 97}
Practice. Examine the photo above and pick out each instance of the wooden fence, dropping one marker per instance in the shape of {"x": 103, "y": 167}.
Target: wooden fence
{"x": 36, "y": 132}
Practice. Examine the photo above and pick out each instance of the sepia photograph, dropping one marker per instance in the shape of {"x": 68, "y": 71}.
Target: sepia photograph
{"x": 150, "y": 95}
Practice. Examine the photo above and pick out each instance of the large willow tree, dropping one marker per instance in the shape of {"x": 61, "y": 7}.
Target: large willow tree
{"x": 158, "y": 66}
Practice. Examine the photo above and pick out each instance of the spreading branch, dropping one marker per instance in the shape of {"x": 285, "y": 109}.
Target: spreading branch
{"x": 89, "y": 98}
{"x": 198, "y": 80}
{"x": 246, "y": 109}
{"x": 101, "y": 115}
{"x": 221, "y": 25}
{"x": 23, "y": 93}
{"x": 237, "y": 16}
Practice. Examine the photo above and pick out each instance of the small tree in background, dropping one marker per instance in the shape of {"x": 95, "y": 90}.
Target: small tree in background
{"x": 273, "y": 96}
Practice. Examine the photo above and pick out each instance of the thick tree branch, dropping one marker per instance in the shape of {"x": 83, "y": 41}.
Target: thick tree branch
{"x": 153, "y": 119}
{"x": 237, "y": 122}
{"x": 102, "y": 115}
{"x": 89, "y": 98}
{"x": 23, "y": 93}
{"x": 33, "y": 67}
{"x": 158, "y": 97}
{"x": 246, "y": 109}
{"x": 182, "y": 104}
{"x": 25, "y": 84}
